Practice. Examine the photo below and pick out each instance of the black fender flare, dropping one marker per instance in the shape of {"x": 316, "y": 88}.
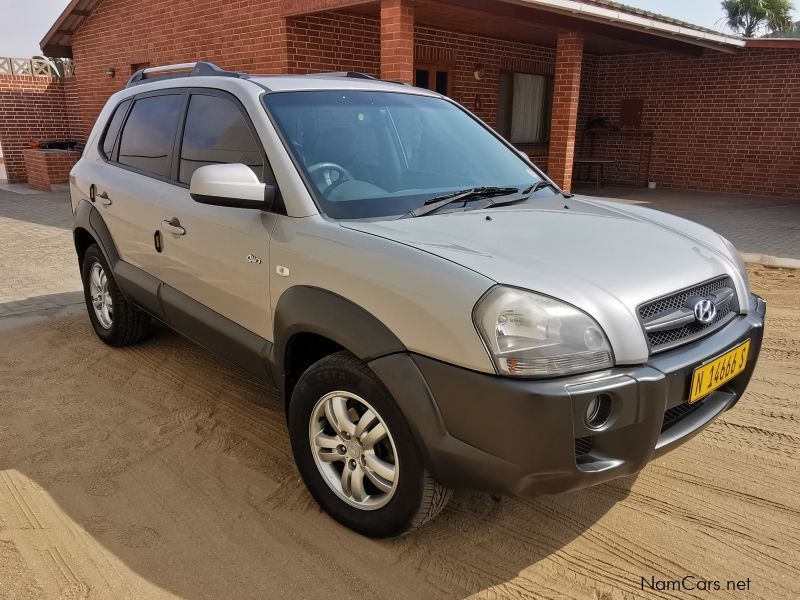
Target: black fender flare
{"x": 308, "y": 309}
{"x": 88, "y": 218}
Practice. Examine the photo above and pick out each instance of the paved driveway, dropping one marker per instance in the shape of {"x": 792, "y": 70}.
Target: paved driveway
{"x": 755, "y": 225}
{"x": 38, "y": 268}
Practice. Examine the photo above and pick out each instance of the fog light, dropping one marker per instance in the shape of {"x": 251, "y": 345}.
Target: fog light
{"x": 598, "y": 412}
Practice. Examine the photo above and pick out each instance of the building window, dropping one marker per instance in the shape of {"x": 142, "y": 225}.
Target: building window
{"x": 432, "y": 77}
{"x": 525, "y": 105}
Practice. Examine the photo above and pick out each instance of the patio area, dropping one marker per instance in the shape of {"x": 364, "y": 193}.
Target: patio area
{"x": 755, "y": 224}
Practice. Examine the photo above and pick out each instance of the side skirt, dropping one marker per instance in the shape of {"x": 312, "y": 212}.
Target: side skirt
{"x": 196, "y": 321}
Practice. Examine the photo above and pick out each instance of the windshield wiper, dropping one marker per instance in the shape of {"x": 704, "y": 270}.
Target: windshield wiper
{"x": 438, "y": 202}
{"x": 527, "y": 193}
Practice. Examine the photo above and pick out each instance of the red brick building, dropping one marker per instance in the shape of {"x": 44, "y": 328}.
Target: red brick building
{"x": 665, "y": 101}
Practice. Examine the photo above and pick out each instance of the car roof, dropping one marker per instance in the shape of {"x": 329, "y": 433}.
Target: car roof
{"x": 206, "y": 74}
{"x": 333, "y": 81}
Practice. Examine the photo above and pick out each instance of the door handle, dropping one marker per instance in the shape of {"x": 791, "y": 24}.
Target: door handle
{"x": 104, "y": 199}
{"x": 173, "y": 226}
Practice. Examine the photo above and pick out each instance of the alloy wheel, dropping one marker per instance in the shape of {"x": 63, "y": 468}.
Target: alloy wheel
{"x": 101, "y": 296}
{"x": 354, "y": 450}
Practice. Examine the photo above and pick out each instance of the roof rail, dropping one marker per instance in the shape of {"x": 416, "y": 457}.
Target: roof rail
{"x": 350, "y": 74}
{"x": 194, "y": 69}
{"x": 355, "y": 75}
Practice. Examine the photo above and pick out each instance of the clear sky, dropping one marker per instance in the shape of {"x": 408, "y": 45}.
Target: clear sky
{"x": 23, "y": 23}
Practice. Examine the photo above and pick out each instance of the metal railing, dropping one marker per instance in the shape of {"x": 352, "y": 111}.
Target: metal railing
{"x": 37, "y": 66}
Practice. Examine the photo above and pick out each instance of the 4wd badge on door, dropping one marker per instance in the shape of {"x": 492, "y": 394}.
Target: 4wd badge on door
{"x": 252, "y": 258}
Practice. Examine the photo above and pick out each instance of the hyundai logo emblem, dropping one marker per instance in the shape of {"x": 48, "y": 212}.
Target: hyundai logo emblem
{"x": 705, "y": 311}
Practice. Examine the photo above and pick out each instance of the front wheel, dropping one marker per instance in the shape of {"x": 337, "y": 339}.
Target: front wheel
{"x": 356, "y": 453}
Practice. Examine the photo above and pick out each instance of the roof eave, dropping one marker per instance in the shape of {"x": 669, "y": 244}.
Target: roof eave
{"x": 56, "y": 50}
{"x": 642, "y": 23}
{"x": 57, "y": 42}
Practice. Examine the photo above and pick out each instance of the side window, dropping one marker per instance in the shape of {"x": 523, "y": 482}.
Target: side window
{"x": 113, "y": 128}
{"x": 217, "y": 133}
{"x": 147, "y": 137}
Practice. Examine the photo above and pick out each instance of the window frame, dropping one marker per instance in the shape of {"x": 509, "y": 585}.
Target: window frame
{"x": 102, "y": 141}
{"x": 547, "y": 114}
{"x": 177, "y": 136}
{"x": 181, "y": 111}
{"x": 432, "y": 69}
{"x": 267, "y": 176}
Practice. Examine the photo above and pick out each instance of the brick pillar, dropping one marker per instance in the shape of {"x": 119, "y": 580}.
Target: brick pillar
{"x": 397, "y": 40}
{"x": 569, "y": 55}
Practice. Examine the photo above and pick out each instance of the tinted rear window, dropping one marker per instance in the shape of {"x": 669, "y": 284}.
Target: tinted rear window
{"x": 217, "y": 133}
{"x": 147, "y": 137}
{"x": 113, "y": 128}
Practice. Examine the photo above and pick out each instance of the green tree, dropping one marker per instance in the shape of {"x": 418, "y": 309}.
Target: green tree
{"x": 751, "y": 17}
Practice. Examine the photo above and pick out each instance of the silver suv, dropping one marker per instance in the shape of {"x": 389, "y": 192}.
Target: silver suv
{"x": 435, "y": 311}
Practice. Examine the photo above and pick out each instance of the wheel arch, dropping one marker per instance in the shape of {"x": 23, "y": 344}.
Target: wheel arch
{"x": 90, "y": 228}
{"x": 311, "y": 323}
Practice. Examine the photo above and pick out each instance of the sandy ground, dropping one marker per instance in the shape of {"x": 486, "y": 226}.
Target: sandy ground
{"x": 158, "y": 471}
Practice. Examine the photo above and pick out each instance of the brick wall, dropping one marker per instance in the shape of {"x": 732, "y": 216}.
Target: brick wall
{"x": 718, "y": 122}
{"x": 45, "y": 168}
{"x": 33, "y": 109}
{"x": 356, "y": 47}
{"x": 236, "y": 34}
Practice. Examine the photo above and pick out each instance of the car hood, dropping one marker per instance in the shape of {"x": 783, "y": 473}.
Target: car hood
{"x": 605, "y": 258}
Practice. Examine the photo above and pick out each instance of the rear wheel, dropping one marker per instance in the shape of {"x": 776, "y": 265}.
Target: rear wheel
{"x": 115, "y": 320}
{"x": 356, "y": 453}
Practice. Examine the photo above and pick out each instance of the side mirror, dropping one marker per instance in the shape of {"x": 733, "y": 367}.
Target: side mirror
{"x": 234, "y": 185}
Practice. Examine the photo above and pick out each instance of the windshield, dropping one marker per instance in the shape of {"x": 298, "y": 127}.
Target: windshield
{"x": 377, "y": 154}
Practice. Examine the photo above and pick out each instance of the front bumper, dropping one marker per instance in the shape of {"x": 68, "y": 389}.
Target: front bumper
{"x": 522, "y": 437}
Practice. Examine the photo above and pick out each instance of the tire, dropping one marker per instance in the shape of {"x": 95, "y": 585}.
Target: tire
{"x": 122, "y": 324}
{"x": 414, "y": 499}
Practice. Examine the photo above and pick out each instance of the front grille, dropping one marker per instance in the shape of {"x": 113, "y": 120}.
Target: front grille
{"x": 667, "y": 339}
{"x": 677, "y": 413}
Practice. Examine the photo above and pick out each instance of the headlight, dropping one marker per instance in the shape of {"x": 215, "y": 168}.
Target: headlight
{"x": 529, "y": 335}
{"x": 737, "y": 258}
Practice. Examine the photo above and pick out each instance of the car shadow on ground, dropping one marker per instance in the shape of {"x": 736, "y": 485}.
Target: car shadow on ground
{"x": 39, "y": 303}
{"x": 169, "y": 460}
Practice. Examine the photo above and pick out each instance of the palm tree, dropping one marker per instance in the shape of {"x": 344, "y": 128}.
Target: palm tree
{"x": 750, "y": 17}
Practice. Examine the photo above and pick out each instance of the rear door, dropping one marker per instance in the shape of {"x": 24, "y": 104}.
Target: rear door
{"x": 217, "y": 255}
{"x": 130, "y": 188}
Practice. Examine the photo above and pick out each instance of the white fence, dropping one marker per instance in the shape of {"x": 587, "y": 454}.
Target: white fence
{"x": 38, "y": 67}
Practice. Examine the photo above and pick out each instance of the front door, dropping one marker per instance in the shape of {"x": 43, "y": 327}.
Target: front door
{"x": 218, "y": 256}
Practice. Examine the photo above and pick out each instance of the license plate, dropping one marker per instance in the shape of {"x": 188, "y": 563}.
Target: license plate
{"x": 718, "y": 372}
